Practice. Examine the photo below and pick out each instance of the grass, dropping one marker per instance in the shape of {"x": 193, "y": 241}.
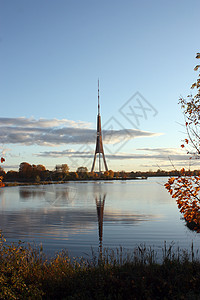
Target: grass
{"x": 27, "y": 274}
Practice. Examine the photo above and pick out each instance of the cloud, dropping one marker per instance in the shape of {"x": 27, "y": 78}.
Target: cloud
{"x": 54, "y": 132}
{"x": 41, "y": 123}
{"x": 116, "y": 136}
{"x": 159, "y": 154}
{"x": 10, "y": 167}
{"x": 3, "y": 151}
{"x": 163, "y": 153}
{"x": 66, "y": 153}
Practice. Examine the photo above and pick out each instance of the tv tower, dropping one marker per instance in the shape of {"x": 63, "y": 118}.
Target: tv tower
{"x": 99, "y": 143}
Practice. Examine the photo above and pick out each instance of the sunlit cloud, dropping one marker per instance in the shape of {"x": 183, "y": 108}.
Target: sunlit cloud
{"x": 163, "y": 154}
{"x": 41, "y": 123}
{"x": 11, "y": 167}
{"x": 66, "y": 153}
{"x": 46, "y": 132}
{"x": 160, "y": 154}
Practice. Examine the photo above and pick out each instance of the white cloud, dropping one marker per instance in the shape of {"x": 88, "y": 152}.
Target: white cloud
{"x": 41, "y": 123}
{"x": 46, "y": 132}
{"x": 159, "y": 154}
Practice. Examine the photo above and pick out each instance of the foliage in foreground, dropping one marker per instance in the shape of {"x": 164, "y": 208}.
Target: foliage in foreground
{"x": 27, "y": 274}
{"x": 185, "y": 189}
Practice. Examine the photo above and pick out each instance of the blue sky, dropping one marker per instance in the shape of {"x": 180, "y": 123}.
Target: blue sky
{"x": 51, "y": 56}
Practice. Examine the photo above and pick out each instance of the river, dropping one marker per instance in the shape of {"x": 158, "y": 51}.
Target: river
{"x": 78, "y": 216}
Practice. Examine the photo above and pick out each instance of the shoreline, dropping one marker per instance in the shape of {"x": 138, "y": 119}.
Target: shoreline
{"x": 16, "y": 183}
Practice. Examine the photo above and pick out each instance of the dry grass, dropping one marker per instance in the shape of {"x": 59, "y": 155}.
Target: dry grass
{"x": 27, "y": 274}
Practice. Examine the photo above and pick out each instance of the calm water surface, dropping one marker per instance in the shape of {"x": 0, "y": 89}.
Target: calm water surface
{"x": 80, "y": 215}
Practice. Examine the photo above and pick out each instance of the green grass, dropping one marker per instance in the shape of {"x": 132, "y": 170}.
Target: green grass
{"x": 27, "y": 274}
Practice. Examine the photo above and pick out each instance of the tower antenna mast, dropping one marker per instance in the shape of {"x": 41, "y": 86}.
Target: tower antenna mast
{"x": 98, "y": 100}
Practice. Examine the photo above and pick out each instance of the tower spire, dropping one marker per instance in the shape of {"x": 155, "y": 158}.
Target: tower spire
{"x": 98, "y": 100}
{"x": 99, "y": 143}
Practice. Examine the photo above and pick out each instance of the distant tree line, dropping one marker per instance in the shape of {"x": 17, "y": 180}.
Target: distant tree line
{"x": 39, "y": 173}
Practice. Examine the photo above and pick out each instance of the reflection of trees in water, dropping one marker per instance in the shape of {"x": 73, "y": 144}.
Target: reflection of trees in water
{"x": 2, "y": 198}
{"x": 54, "y": 195}
{"x": 1, "y": 192}
{"x": 60, "y": 197}
{"x": 55, "y": 219}
{"x": 27, "y": 192}
{"x": 50, "y": 224}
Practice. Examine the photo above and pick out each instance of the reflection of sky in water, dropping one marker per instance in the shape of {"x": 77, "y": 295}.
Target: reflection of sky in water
{"x": 65, "y": 216}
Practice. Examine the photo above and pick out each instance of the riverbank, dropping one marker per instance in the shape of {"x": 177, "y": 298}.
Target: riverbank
{"x": 27, "y": 274}
{"x": 7, "y": 184}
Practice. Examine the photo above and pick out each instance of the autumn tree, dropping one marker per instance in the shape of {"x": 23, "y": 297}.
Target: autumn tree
{"x": 2, "y": 173}
{"x": 1, "y": 183}
{"x": 123, "y": 174}
{"x": 12, "y": 175}
{"x": 109, "y": 174}
{"x": 74, "y": 175}
{"x": 31, "y": 172}
{"x": 106, "y": 174}
{"x": 185, "y": 188}
{"x": 40, "y": 168}
{"x": 61, "y": 172}
{"x": 92, "y": 175}
{"x": 65, "y": 168}
{"x": 117, "y": 174}
{"x": 38, "y": 172}
{"x": 82, "y": 170}
{"x": 62, "y": 168}
{"x": 191, "y": 110}
{"x": 25, "y": 170}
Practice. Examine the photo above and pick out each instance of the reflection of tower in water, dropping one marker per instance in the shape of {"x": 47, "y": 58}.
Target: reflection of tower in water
{"x": 100, "y": 202}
